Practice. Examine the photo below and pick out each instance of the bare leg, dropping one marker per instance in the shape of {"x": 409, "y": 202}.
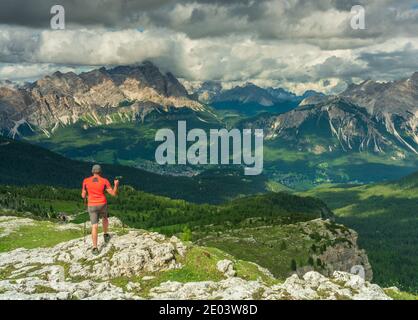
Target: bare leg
{"x": 94, "y": 229}
{"x": 105, "y": 225}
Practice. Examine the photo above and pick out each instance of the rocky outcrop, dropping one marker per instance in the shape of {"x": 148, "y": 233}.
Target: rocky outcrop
{"x": 340, "y": 286}
{"x": 316, "y": 245}
{"x": 131, "y": 266}
{"x": 312, "y": 286}
{"x": 70, "y": 271}
{"x": 336, "y": 249}
{"x": 125, "y": 256}
{"x": 226, "y": 267}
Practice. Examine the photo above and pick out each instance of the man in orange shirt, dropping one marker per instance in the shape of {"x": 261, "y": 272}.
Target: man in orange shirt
{"x": 95, "y": 187}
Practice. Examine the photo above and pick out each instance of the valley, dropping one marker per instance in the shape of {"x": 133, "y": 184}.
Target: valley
{"x": 315, "y": 139}
{"x": 27, "y": 164}
{"x": 298, "y": 222}
{"x": 345, "y": 155}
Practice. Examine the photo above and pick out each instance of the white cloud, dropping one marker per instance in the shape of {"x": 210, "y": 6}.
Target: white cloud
{"x": 31, "y": 72}
{"x": 295, "y": 43}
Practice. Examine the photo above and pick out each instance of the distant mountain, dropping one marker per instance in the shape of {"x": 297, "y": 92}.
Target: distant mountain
{"x": 397, "y": 97}
{"x": 248, "y": 99}
{"x": 335, "y": 124}
{"x": 100, "y": 96}
{"x": 393, "y": 104}
{"x": 371, "y": 116}
{"x": 205, "y": 91}
{"x": 331, "y": 125}
{"x": 250, "y": 93}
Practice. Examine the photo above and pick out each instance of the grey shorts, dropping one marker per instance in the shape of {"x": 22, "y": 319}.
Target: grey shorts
{"x": 97, "y": 212}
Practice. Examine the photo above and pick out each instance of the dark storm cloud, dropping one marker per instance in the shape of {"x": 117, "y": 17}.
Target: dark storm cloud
{"x": 391, "y": 65}
{"x": 339, "y": 67}
{"x": 290, "y": 41}
{"x": 205, "y": 18}
{"x": 110, "y": 13}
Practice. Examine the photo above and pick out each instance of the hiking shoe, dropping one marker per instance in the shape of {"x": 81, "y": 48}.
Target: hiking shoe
{"x": 106, "y": 237}
{"x": 95, "y": 251}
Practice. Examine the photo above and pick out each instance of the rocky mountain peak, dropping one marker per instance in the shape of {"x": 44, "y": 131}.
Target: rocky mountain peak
{"x": 345, "y": 126}
{"x": 95, "y": 77}
{"x": 63, "y": 98}
{"x": 396, "y": 97}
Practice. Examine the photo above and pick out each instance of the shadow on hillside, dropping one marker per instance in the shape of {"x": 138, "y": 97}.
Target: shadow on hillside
{"x": 387, "y": 228}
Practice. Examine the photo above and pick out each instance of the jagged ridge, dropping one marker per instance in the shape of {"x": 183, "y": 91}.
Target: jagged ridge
{"x": 100, "y": 96}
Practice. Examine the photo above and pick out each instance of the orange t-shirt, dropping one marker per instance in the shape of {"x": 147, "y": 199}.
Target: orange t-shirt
{"x": 96, "y": 187}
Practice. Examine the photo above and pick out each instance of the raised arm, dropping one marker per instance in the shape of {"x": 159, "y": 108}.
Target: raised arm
{"x": 113, "y": 192}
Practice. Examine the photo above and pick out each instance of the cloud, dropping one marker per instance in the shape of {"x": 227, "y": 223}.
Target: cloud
{"x": 397, "y": 63}
{"x": 294, "y": 43}
{"x": 32, "y": 72}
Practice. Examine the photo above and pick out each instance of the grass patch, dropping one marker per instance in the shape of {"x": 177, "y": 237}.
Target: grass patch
{"x": 6, "y": 272}
{"x": 271, "y": 247}
{"x": 41, "y": 234}
{"x": 399, "y": 295}
{"x": 199, "y": 264}
{"x": 249, "y": 271}
{"x": 44, "y": 289}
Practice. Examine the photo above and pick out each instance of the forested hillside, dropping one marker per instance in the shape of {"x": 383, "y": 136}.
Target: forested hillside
{"x": 26, "y": 164}
{"x": 142, "y": 210}
{"x": 386, "y": 217}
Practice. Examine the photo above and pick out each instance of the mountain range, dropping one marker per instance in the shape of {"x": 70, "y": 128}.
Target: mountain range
{"x": 247, "y": 99}
{"x": 365, "y": 134}
{"x": 100, "y": 96}
{"x": 111, "y": 115}
{"x": 371, "y": 116}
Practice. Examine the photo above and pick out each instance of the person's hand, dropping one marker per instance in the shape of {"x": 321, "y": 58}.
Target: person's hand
{"x": 116, "y": 182}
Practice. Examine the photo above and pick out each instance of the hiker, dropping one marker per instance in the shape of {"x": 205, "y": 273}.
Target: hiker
{"x": 95, "y": 187}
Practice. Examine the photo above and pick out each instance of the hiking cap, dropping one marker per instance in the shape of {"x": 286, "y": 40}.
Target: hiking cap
{"x": 96, "y": 169}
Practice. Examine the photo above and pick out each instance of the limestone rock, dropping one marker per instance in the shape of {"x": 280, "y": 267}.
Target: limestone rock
{"x": 229, "y": 289}
{"x": 314, "y": 286}
{"x": 226, "y": 267}
{"x": 55, "y": 273}
{"x": 104, "y": 95}
{"x": 342, "y": 252}
{"x": 70, "y": 271}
